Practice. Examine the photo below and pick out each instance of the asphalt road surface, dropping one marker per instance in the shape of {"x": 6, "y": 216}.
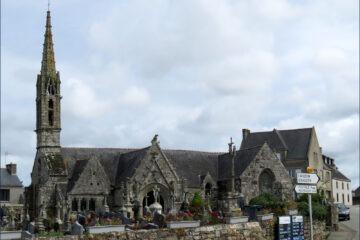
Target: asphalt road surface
{"x": 354, "y": 220}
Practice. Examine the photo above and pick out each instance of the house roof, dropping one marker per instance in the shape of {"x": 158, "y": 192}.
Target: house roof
{"x": 243, "y": 158}
{"x": 128, "y": 162}
{"x": 193, "y": 164}
{"x": 357, "y": 192}
{"x": 336, "y": 174}
{"x": 120, "y": 163}
{"x": 76, "y": 172}
{"x": 295, "y": 141}
{"x": 108, "y": 158}
{"x": 8, "y": 180}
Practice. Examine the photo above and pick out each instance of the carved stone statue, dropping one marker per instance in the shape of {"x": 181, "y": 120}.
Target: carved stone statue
{"x": 156, "y": 190}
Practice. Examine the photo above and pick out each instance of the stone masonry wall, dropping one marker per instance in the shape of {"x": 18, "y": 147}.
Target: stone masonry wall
{"x": 239, "y": 231}
{"x": 265, "y": 230}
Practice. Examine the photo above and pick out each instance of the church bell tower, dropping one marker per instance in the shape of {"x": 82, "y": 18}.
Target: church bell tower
{"x": 48, "y": 124}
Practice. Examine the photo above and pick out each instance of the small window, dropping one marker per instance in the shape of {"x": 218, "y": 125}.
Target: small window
{"x": 51, "y": 104}
{"x": 348, "y": 198}
{"x": 343, "y": 198}
{"x": 337, "y": 197}
{"x": 74, "y": 205}
{"x": 347, "y": 186}
{"x": 337, "y": 184}
{"x": 342, "y": 185}
{"x": 51, "y": 118}
{"x": 5, "y": 195}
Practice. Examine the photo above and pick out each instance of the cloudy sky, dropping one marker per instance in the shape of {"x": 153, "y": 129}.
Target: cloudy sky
{"x": 195, "y": 72}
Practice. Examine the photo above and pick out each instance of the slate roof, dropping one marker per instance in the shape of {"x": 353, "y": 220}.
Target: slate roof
{"x": 76, "y": 172}
{"x": 336, "y": 174}
{"x": 8, "y": 180}
{"x": 193, "y": 164}
{"x": 120, "y": 163}
{"x": 242, "y": 160}
{"x": 128, "y": 162}
{"x": 108, "y": 158}
{"x": 357, "y": 192}
{"x": 295, "y": 141}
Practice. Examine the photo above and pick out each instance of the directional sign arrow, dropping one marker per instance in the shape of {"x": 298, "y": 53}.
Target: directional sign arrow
{"x": 308, "y": 178}
{"x": 305, "y": 189}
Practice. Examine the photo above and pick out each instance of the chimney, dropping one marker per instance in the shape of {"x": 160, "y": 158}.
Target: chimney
{"x": 11, "y": 168}
{"x": 245, "y": 133}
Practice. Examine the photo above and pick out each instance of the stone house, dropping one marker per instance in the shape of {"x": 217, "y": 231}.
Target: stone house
{"x": 11, "y": 191}
{"x": 119, "y": 179}
{"x": 11, "y": 188}
{"x": 297, "y": 149}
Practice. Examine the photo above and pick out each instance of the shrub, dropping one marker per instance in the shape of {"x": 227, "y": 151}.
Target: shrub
{"x": 319, "y": 210}
{"x": 267, "y": 201}
{"x": 197, "y": 201}
{"x": 197, "y": 206}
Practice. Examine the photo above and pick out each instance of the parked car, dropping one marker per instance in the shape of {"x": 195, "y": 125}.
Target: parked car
{"x": 344, "y": 212}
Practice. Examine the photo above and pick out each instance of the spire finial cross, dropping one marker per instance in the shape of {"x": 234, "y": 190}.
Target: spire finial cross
{"x": 48, "y": 5}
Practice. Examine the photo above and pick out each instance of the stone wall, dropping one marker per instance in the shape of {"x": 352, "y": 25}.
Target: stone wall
{"x": 265, "y": 230}
{"x": 319, "y": 230}
{"x": 239, "y": 231}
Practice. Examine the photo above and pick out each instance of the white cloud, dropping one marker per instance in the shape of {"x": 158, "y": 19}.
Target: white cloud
{"x": 195, "y": 72}
{"x": 82, "y": 100}
{"x": 135, "y": 96}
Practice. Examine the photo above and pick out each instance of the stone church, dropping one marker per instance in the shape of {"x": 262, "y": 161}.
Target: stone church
{"x": 68, "y": 180}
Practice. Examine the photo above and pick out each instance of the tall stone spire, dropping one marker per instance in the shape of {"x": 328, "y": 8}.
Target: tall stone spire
{"x": 48, "y": 58}
{"x": 48, "y": 118}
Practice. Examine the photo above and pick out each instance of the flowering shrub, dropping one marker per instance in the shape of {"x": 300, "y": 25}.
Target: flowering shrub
{"x": 181, "y": 216}
{"x": 215, "y": 218}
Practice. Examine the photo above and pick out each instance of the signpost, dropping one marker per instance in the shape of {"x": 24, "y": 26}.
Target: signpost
{"x": 312, "y": 179}
{"x": 305, "y": 189}
{"x": 307, "y": 178}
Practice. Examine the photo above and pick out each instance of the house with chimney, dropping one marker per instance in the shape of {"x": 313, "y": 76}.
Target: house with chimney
{"x": 11, "y": 188}
{"x": 297, "y": 149}
{"x": 340, "y": 184}
{"x": 11, "y": 192}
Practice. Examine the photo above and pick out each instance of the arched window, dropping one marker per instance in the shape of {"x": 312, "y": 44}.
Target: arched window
{"x": 208, "y": 187}
{"x": 74, "y": 205}
{"x": 51, "y": 104}
{"x": 51, "y": 118}
{"x": 92, "y": 204}
{"x": 83, "y": 204}
{"x": 51, "y": 112}
{"x": 266, "y": 181}
{"x": 51, "y": 88}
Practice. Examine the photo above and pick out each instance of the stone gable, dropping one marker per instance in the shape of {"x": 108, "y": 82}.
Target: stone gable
{"x": 91, "y": 181}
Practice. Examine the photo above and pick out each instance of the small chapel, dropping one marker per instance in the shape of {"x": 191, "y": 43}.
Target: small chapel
{"x": 71, "y": 179}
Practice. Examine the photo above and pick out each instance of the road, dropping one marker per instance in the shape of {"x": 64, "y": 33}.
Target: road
{"x": 354, "y": 220}
{"x": 348, "y": 230}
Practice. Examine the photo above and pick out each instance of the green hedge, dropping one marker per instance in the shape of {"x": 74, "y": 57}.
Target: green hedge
{"x": 319, "y": 209}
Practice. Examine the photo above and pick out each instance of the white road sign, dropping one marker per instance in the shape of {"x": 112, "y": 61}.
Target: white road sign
{"x": 308, "y": 178}
{"x": 305, "y": 189}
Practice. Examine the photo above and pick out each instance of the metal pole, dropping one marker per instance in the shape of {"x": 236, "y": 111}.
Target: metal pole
{"x": 311, "y": 220}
